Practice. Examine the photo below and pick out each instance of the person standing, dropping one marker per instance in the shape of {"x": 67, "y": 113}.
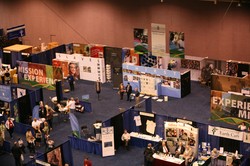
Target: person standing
{"x": 30, "y": 141}
{"x": 21, "y": 145}
{"x": 42, "y": 110}
{"x": 121, "y": 91}
{"x": 148, "y": 155}
{"x": 2, "y": 129}
{"x": 137, "y": 98}
{"x": 9, "y": 124}
{"x": 98, "y": 88}
{"x": 1, "y": 142}
{"x": 7, "y": 76}
{"x": 49, "y": 116}
{"x": 87, "y": 162}
{"x": 71, "y": 104}
{"x": 2, "y": 73}
{"x": 16, "y": 151}
{"x": 129, "y": 91}
{"x": 126, "y": 138}
{"x": 71, "y": 81}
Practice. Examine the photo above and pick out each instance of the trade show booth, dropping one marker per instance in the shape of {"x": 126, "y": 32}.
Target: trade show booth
{"x": 157, "y": 82}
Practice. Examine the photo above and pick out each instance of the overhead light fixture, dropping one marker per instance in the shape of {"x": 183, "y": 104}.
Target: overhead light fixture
{"x": 239, "y": 3}
{"x": 161, "y": 1}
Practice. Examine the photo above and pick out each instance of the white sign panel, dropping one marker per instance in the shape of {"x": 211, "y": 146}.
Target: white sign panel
{"x": 225, "y": 133}
{"x": 21, "y": 92}
{"x": 91, "y": 69}
{"x": 158, "y": 36}
{"x": 108, "y": 143}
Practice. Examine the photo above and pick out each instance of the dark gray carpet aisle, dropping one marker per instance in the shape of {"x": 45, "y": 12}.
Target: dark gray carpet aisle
{"x": 194, "y": 107}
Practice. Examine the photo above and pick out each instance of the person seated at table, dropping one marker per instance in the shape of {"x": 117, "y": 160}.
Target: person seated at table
{"x": 62, "y": 109}
{"x": 163, "y": 147}
{"x": 242, "y": 126}
{"x": 188, "y": 155}
{"x": 79, "y": 107}
{"x": 126, "y": 138}
{"x": 235, "y": 161}
{"x": 214, "y": 157}
{"x": 179, "y": 149}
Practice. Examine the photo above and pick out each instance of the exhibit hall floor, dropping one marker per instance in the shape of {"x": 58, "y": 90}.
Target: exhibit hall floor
{"x": 195, "y": 107}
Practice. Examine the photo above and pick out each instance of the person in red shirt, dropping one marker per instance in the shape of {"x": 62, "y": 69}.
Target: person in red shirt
{"x": 9, "y": 124}
{"x": 87, "y": 162}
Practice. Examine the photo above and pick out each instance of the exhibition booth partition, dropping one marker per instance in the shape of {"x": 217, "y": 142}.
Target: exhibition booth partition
{"x": 200, "y": 132}
{"x": 12, "y": 54}
{"x": 45, "y": 57}
{"x": 87, "y": 68}
{"x": 39, "y": 75}
{"x": 60, "y": 155}
{"x": 230, "y": 96}
{"x": 157, "y": 82}
{"x": 18, "y": 102}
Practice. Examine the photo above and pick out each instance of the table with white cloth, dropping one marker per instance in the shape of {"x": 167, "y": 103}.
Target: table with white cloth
{"x": 142, "y": 140}
{"x": 167, "y": 160}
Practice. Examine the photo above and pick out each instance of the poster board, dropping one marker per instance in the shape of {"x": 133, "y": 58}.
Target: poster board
{"x": 91, "y": 69}
{"x": 158, "y": 40}
{"x": 186, "y": 133}
{"x": 232, "y": 108}
{"x": 167, "y": 82}
{"x": 38, "y": 75}
{"x": 108, "y": 144}
{"x": 5, "y": 93}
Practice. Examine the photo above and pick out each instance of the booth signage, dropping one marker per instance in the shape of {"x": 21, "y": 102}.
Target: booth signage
{"x": 229, "y": 108}
{"x": 16, "y": 32}
{"x": 38, "y": 74}
{"x": 5, "y": 93}
{"x": 225, "y": 133}
{"x": 108, "y": 143}
{"x": 176, "y": 131}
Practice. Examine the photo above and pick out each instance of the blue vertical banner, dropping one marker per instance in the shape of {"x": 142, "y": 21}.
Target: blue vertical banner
{"x": 74, "y": 125}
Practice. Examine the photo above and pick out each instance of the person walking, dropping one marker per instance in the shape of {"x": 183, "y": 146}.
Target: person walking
{"x": 98, "y": 88}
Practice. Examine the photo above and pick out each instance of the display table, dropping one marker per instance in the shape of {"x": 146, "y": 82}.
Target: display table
{"x": 142, "y": 140}
{"x": 162, "y": 160}
{"x": 221, "y": 160}
{"x": 204, "y": 161}
{"x": 19, "y": 48}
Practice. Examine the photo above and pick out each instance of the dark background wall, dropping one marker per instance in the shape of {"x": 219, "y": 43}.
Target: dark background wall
{"x": 209, "y": 32}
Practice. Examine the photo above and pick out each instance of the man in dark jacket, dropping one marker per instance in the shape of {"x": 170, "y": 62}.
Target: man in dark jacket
{"x": 129, "y": 91}
{"x": 16, "y": 151}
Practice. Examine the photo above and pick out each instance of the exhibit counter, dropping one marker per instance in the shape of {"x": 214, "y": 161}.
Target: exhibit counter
{"x": 163, "y": 160}
{"x": 142, "y": 140}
